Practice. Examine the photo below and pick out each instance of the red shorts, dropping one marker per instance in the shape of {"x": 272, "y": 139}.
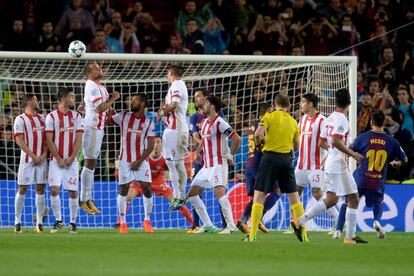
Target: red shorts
{"x": 159, "y": 189}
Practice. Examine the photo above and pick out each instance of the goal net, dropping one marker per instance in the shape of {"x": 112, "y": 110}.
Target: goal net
{"x": 242, "y": 82}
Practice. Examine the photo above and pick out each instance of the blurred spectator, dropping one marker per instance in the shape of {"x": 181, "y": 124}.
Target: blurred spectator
{"x": 317, "y": 33}
{"x": 272, "y": 8}
{"x": 215, "y": 37}
{"x": 194, "y": 40}
{"x": 348, "y": 36}
{"x": 75, "y": 10}
{"x": 47, "y": 41}
{"x": 102, "y": 13}
{"x": 405, "y": 38}
{"x": 8, "y": 166}
{"x": 387, "y": 78}
{"x": 406, "y": 108}
{"x": 221, "y": 10}
{"x": 376, "y": 45}
{"x": 266, "y": 36}
{"x": 116, "y": 25}
{"x": 302, "y": 11}
{"x": 18, "y": 40}
{"x": 104, "y": 44}
{"x": 334, "y": 13}
{"x": 176, "y": 45}
{"x": 129, "y": 41}
{"x": 239, "y": 45}
{"x": 78, "y": 32}
{"x": 297, "y": 50}
{"x": 148, "y": 31}
{"x": 360, "y": 85}
{"x": 190, "y": 12}
{"x": 359, "y": 19}
{"x": 241, "y": 15}
{"x": 364, "y": 114}
{"x": 388, "y": 61}
{"x": 382, "y": 100}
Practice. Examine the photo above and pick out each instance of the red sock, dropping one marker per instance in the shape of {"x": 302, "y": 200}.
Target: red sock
{"x": 127, "y": 207}
{"x": 187, "y": 214}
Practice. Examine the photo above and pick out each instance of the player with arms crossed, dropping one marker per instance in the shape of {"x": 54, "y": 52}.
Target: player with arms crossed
{"x": 137, "y": 143}
{"x": 309, "y": 165}
{"x": 379, "y": 149}
{"x": 29, "y": 132}
{"x": 335, "y": 138}
{"x": 64, "y": 130}
{"x": 215, "y": 133}
{"x": 175, "y": 136}
{"x": 97, "y": 104}
{"x": 252, "y": 164}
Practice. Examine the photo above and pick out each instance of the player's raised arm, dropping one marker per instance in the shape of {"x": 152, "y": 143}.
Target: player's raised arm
{"x": 108, "y": 104}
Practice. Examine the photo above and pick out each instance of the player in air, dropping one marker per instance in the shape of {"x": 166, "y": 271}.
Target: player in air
{"x": 64, "y": 130}
{"x": 215, "y": 133}
{"x": 97, "y": 104}
{"x": 137, "y": 143}
{"x": 252, "y": 164}
{"x": 195, "y": 130}
{"x": 175, "y": 136}
{"x": 379, "y": 149}
{"x": 335, "y": 138}
{"x": 29, "y": 132}
{"x": 309, "y": 165}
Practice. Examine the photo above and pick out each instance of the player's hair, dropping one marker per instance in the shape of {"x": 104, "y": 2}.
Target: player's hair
{"x": 87, "y": 67}
{"x": 176, "y": 70}
{"x": 215, "y": 101}
{"x": 26, "y": 99}
{"x": 342, "y": 98}
{"x": 203, "y": 91}
{"x": 63, "y": 92}
{"x": 312, "y": 98}
{"x": 263, "y": 108}
{"x": 282, "y": 100}
{"x": 378, "y": 118}
{"x": 143, "y": 98}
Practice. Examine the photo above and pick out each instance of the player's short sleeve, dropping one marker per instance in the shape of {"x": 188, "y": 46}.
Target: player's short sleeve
{"x": 151, "y": 130}
{"x": 297, "y": 131}
{"x": 49, "y": 125}
{"x": 265, "y": 120}
{"x": 340, "y": 127}
{"x": 193, "y": 124}
{"x": 93, "y": 94}
{"x": 79, "y": 123}
{"x": 176, "y": 93}
{"x": 225, "y": 128}
{"x": 18, "y": 127}
{"x": 357, "y": 144}
{"x": 117, "y": 118}
{"x": 323, "y": 135}
{"x": 398, "y": 152}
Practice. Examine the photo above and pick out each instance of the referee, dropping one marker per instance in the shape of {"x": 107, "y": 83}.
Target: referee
{"x": 278, "y": 132}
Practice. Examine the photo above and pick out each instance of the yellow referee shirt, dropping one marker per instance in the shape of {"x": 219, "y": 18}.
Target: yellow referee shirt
{"x": 281, "y": 130}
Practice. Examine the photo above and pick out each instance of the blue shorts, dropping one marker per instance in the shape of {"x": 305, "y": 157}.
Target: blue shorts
{"x": 197, "y": 167}
{"x": 250, "y": 180}
{"x": 371, "y": 196}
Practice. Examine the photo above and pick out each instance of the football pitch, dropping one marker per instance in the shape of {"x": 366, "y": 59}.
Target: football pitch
{"x": 173, "y": 252}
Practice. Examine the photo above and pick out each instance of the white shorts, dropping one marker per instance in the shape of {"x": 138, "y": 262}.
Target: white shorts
{"x": 212, "y": 177}
{"x": 69, "y": 177}
{"x": 92, "y": 142}
{"x": 341, "y": 183}
{"x": 29, "y": 174}
{"x": 174, "y": 144}
{"x": 312, "y": 177}
{"x": 127, "y": 175}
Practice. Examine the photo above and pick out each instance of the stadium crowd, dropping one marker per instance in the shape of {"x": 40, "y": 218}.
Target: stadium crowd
{"x": 266, "y": 27}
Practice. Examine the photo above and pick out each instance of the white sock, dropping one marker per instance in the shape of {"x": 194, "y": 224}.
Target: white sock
{"x": 333, "y": 212}
{"x": 317, "y": 209}
{"x": 147, "y": 207}
{"x": 87, "y": 183}
{"x": 174, "y": 178}
{"x": 73, "y": 206}
{"x": 201, "y": 210}
{"x": 182, "y": 178}
{"x": 40, "y": 208}
{"x": 350, "y": 218}
{"x": 121, "y": 201}
{"x": 227, "y": 213}
{"x": 55, "y": 203}
{"x": 18, "y": 207}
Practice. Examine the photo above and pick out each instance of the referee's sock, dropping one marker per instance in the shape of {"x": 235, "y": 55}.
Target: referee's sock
{"x": 255, "y": 217}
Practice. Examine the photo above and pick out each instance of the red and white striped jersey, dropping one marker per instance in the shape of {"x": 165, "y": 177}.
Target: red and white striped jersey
{"x": 177, "y": 118}
{"x": 310, "y": 154}
{"x": 64, "y": 128}
{"x": 135, "y": 131}
{"x": 33, "y": 129}
{"x": 336, "y": 125}
{"x": 215, "y": 136}
{"x": 95, "y": 94}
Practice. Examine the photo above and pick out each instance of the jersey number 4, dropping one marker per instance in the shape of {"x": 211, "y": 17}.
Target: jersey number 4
{"x": 376, "y": 159}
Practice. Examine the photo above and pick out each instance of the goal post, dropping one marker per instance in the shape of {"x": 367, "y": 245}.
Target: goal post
{"x": 242, "y": 82}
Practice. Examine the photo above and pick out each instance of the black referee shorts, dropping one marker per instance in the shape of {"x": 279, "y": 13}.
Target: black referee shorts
{"x": 275, "y": 167}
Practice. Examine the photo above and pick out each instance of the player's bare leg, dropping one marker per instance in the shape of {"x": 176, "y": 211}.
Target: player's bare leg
{"x": 147, "y": 198}
{"x": 220, "y": 192}
{"x": 87, "y": 177}
{"x": 73, "y": 207}
{"x": 121, "y": 203}
{"x": 56, "y": 208}
{"x": 40, "y": 207}
{"x": 198, "y": 204}
{"x": 18, "y": 207}
{"x": 132, "y": 193}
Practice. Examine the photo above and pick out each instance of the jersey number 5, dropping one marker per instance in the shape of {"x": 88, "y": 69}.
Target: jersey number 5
{"x": 376, "y": 159}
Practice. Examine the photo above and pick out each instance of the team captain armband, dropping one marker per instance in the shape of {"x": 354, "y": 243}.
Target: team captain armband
{"x": 229, "y": 132}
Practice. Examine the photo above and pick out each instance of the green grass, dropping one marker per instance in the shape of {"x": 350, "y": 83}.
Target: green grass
{"x": 172, "y": 252}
